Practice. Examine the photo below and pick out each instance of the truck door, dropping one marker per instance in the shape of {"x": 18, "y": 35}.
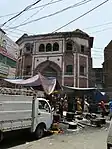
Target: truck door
{"x": 45, "y": 113}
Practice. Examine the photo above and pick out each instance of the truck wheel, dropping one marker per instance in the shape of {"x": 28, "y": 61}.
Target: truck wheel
{"x": 1, "y": 137}
{"x": 39, "y": 132}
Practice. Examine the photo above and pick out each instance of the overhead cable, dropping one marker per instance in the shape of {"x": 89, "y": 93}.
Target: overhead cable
{"x": 84, "y": 1}
{"x": 81, "y": 15}
{"x": 25, "y": 9}
{"x": 10, "y": 14}
{"x": 32, "y": 14}
{"x": 102, "y": 30}
{"x": 52, "y": 14}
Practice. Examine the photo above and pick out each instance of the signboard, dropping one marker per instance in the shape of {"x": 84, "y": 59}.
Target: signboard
{"x": 11, "y": 47}
{"x": 8, "y": 47}
{"x": 3, "y": 52}
{"x": 11, "y": 72}
{"x": 4, "y": 69}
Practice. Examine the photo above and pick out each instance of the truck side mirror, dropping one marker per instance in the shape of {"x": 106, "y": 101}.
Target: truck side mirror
{"x": 52, "y": 109}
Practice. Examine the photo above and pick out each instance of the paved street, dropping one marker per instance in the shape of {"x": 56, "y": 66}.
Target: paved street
{"x": 88, "y": 138}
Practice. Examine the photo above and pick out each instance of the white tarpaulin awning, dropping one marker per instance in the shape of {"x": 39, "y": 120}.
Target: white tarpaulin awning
{"x": 76, "y": 88}
{"x": 48, "y": 84}
{"x": 14, "y": 81}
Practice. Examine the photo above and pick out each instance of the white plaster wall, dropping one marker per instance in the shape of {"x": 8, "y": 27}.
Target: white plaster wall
{"x": 21, "y": 46}
{"x": 39, "y": 60}
{"x": 81, "y": 41}
{"x": 75, "y": 63}
{"x": 86, "y": 69}
{"x": 55, "y": 59}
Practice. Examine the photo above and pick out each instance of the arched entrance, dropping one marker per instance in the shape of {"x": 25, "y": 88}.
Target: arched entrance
{"x": 50, "y": 72}
{"x": 49, "y": 69}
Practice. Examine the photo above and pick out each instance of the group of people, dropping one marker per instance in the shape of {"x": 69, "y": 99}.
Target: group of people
{"x": 61, "y": 104}
{"x": 82, "y": 106}
{"x": 58, "y": 103}
{"x": 101, "y": 105}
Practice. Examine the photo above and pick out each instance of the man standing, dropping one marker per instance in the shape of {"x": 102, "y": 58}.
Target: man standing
{"x": 110, "y": 105}
{"x": 79, "y": 106}
{"x": 86, "y": 106}
{"x": 103, "y": 108}
{"x": 61, "y": 107}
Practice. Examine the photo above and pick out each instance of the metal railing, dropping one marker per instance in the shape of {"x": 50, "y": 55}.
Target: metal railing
{"x": 11, "y": 91}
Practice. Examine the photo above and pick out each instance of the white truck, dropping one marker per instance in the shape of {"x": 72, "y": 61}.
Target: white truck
{"x": 109, "y": 137}
{"x": 21, "y": 112}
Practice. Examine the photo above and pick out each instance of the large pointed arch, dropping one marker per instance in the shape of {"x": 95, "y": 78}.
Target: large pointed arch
{"x": 49, "y": 68}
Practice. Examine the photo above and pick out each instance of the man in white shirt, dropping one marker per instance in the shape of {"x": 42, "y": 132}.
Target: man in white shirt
{"x": 86, "y": 106}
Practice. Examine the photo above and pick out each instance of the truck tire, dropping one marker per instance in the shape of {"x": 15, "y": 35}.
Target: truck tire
{"x": 1, "y": 136}
{"x": 109, "y": 146}
{"x": 39, "y": 132}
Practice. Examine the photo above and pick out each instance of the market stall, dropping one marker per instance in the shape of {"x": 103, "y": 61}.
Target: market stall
{"x": 38, "y": 82}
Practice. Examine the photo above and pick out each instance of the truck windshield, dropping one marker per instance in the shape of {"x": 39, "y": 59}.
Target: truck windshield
{"x": 43, "y": 105}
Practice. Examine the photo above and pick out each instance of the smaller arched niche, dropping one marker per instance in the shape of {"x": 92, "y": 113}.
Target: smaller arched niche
{"x": 69, "y": 69}
{"x": 69, "y": 45}
{"x": 41, "y": 48}
{"x": 48, "y": 47}
{"x": 55, "y": 46}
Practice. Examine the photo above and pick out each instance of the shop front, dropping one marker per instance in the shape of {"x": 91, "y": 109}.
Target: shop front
{"x": 4, "y": 70}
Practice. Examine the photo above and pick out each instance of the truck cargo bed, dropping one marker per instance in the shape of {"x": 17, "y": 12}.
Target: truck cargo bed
{"x": 9, "y": 125}
{"x": 15, "y": 113}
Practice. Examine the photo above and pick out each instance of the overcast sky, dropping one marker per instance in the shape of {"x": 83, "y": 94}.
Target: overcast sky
{"x": 102, "y": 15}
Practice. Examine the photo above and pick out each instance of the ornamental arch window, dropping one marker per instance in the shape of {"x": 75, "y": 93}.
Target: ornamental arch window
{"x": 29, "y": 47}
{"x": 82, "y": 70}
{"x": 55, "y": 46}
{"x": 48, "y": 47}
{"x": 69, "y": 46}
{"x": 69, "y": 69}
{"x": 41, "y": 48}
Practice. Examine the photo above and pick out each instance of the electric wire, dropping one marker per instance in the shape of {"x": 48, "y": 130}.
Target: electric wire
{"x": 36, "y": 12}
{"x": 25, "y": 9}
{"x": 81, "y": 16}
{"x": 83, "y": 1}
{"x": 52, "y": 14}
{"x": 10, "y": 14}
{"x": 32, "y": 14}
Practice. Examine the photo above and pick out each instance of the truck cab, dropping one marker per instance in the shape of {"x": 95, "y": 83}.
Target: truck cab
{"x": 44, "y": 118}
{"x": 22, "y": 112}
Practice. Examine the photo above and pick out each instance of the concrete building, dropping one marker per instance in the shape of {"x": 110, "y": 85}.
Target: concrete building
{"x": 8, "y": 56}
{"x": 107, "y": 69}
{"x": 65, "y": 55}
{"x": 98, "y": 77}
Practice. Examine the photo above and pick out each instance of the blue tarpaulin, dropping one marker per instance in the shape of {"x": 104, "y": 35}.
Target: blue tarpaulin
{"x": 100, "y": 96}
